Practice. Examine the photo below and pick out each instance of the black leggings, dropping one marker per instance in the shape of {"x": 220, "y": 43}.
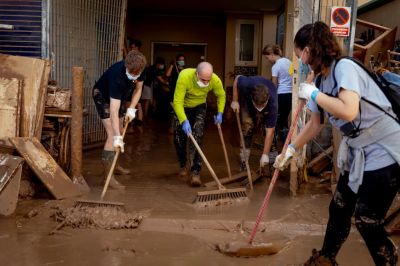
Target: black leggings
{"x": 370, "y": 206}
{"x": 284, "y": 108}
{"x": 196, "y": 117}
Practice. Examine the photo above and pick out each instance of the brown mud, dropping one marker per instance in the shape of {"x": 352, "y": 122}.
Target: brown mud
{"x": 173, "y": 231}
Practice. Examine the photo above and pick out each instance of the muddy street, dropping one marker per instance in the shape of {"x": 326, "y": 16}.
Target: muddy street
{"x": 172, "y": 231}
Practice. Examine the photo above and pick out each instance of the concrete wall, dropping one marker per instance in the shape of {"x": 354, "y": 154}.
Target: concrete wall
{"x": 188, "y": 29}
{"x": 386, "y": 15}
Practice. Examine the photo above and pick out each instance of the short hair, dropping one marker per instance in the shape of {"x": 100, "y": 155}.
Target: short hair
{"x": 179, "y": 55}
{"x": 160, "y": 60}
{"x": 260, "y": 94}
{"x": 135, "y": 61}
{"x": 135, "y": 42}
{"x": 272, "y": 49}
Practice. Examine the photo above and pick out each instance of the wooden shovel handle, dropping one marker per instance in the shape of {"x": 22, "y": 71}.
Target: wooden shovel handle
{"x": 114, "y": 163}
{"x": 220, "y": 186}
{"x": 225, "y": 152}
{"x": 244, "y": 147}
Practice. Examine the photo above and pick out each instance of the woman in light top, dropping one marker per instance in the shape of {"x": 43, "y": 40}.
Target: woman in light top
{"x": 283, "y": 81}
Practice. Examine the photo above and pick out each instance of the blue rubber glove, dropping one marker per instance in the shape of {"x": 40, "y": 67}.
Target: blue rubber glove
{"x": 218, "y": 118}
{"x": 186, "y": 127}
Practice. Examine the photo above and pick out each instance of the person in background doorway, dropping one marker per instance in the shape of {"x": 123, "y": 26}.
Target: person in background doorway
{"x": 283, "y": 81}
{"x": 119, "y": 84}
{"x": 155, "y": 79}
{"x": 136, "y": 45}
{"x": 172, "y": 74}
{"x": 257, "y": 99}
{"x": 190, "y": 106}
{"x": 368, "y": 156}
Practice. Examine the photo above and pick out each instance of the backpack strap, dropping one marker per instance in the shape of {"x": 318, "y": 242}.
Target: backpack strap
{"x": 377, "y": 82}
{"x": 321, "y": 111}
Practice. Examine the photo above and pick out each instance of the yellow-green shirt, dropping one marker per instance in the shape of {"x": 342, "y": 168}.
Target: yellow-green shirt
{"x": 189, "y": 94}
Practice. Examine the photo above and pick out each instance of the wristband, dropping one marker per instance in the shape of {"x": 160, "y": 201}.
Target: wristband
{"x": 292, "y": 145}
{"x": 314, "y": 95}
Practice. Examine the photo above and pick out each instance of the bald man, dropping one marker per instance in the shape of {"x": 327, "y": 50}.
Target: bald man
{"x": 190, "y": 106}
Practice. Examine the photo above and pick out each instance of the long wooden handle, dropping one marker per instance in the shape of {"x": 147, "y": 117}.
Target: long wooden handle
{"x": 114, "y": 163}
{"x": 225, "y": 152}
{"x": 244, "y": 148}
{"x": 220, "y": 186}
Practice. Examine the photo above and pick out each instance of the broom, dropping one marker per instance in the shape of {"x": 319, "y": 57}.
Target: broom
{"x": 101, "y": 202}
{"x": 249, "y": 249}
{"x": 222, "y": 192}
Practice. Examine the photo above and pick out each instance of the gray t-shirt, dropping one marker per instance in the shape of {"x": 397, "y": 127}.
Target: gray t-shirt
{"x": 350, "y": 76}
{"x": 280, "y": 70}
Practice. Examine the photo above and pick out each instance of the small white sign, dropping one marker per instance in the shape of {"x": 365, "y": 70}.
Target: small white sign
{"x": 340, "y": 20}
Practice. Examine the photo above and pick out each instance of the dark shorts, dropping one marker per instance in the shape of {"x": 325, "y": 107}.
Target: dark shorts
{"x": 103, "y": 105}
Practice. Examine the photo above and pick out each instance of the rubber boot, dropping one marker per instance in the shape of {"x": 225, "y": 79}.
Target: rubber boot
{"x": 244, "y": 156}
{"x": 319, "y": 260}
{"x": 107, "y": 159}
{"x": 119, "y": 170}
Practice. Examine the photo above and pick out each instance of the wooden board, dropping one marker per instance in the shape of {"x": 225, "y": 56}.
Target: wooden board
{"x": 10, "y": 179}
{"x": 9, "y": 109}
{"x": 33, "y": 74}
{"x": 46, "y": 169}
{"x": 8, "y": 165}
{"x": 227, "y": 180}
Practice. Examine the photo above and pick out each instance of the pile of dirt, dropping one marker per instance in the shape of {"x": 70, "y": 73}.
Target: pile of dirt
{"x": 97, "y": 217}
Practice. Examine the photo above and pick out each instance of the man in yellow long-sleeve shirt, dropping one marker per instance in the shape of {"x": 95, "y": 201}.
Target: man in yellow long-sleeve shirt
{"x": 190, "y": 107}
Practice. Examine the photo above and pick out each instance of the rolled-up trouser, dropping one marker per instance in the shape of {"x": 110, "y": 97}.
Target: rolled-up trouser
{"x": 103, "y": 105}
{"x": 247, "y": 127}
{"x": 370, "y": 206}
{"x": 196, "y": 117}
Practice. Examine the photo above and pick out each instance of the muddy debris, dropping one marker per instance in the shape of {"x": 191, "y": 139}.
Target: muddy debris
{"x": 96, "y": 217}
{"x": 32, "y": 213}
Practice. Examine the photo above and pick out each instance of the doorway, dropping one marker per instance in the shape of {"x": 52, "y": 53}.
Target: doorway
{"x": 193, "y": 52}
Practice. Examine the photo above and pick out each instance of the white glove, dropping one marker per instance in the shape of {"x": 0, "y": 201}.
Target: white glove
{"x": 282, "y": 161}
{"x": 130, "y": 114}
{"x": 235, "y": 106}
{"x": 118, "y": 143}
{"x": 308, "y": 91}
{"x": 244, "y": 155}
{"x": 264, "y": 160}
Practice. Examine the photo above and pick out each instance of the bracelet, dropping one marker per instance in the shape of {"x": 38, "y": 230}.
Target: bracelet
{"x": 314, "y": 95}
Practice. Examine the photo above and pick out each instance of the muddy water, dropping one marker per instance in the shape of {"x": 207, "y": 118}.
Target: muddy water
{"x": 173, "y": 232}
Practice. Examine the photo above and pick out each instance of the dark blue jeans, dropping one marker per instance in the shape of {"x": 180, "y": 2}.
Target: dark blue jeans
{"x": 196, "y": 117}
{"x": 369, "y": 206}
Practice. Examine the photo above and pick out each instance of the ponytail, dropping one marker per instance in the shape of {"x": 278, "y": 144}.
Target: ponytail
{"x": 272, "y": 49}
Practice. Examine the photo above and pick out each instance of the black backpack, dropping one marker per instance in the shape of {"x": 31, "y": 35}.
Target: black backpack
{"x": 390, "y": 90}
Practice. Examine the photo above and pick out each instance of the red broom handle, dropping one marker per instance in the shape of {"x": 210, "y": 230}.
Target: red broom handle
{"x": 276, "y": 173}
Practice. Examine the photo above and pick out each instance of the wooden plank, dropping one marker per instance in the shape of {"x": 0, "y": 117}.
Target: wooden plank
{"x": 10, "y": 179}
{"x": 46, "y": 169}
{"x": 32, "y": 73}
{"x": 320, "y": 157}
{"x": 9, "y": 109}
{"x": 227, "y": 180}
{"x": 8, "y": 165}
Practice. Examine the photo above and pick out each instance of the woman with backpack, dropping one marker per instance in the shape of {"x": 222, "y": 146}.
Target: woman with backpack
{"x": 368, "y": 156}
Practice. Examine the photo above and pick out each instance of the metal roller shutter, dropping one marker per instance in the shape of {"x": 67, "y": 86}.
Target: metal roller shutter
{"x": 25, "y": 38}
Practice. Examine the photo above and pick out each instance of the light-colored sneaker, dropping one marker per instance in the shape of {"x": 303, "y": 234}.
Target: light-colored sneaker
{"x": 195, "y": 180}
